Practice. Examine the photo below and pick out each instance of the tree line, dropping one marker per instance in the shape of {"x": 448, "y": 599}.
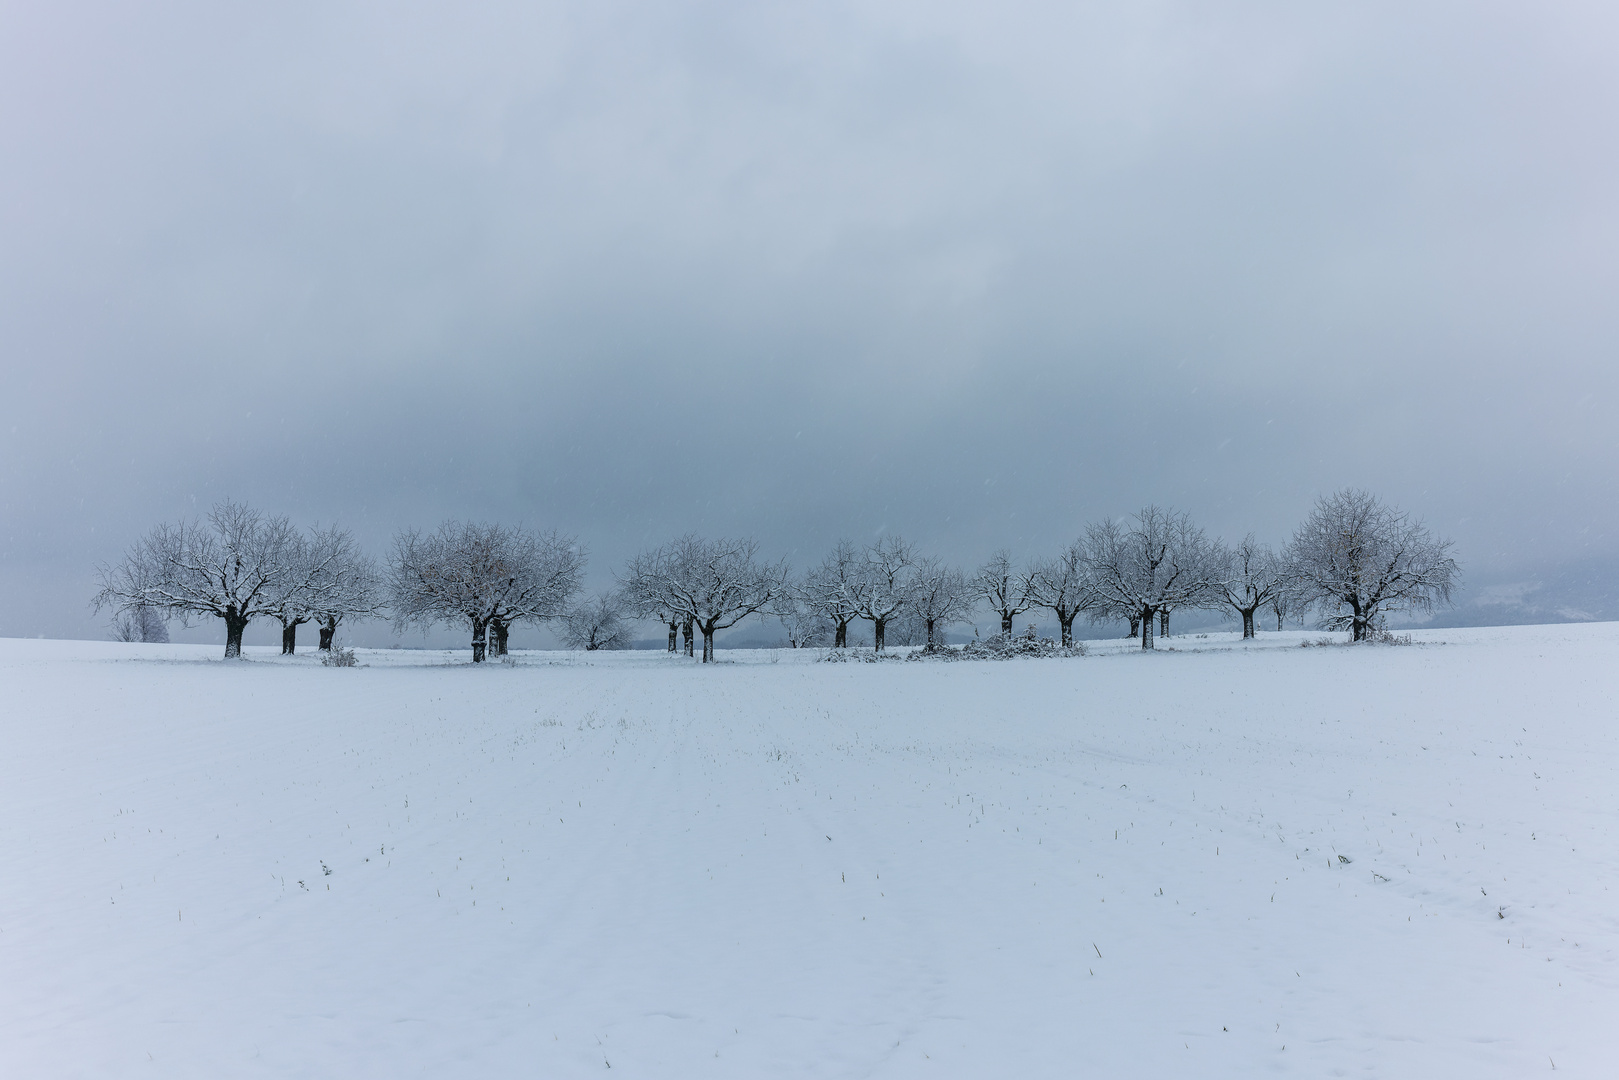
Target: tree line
{"x": 1353, "y": 562}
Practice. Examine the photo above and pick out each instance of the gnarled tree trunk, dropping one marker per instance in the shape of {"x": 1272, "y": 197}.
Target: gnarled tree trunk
{"x": 674, "y": 633}
{"x": 1006, "y": 625}
{"x": 840, "y": 639}
{"x": 1247, "y": 622}
{"x": 708, "y": 644}
{"x": 1163, "y": 623}
{"x": 1135, "y": 626}
{"x": 479, "y": 640}
{"x": 234, "y": 625}
{"x": 503, "y": 633}
{"x": 686, "y": 633}
{"x": 1067, "y": 624}
{"x": 878, "y": 644}
{"x": 1146, "y": 627}
{"x": 289, "y": 638}
{"x": 327, "y": 632}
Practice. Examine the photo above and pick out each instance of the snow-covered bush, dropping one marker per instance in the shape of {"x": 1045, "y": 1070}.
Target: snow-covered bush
{"x": 1382, "y": 635}
{"x": 337, "y": 656}
{"x": 1005, "y": 648}
{"x": 1376, "y": 635}
{"x": 862, "y": 656}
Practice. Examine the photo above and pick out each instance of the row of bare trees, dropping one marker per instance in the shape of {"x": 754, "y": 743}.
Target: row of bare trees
{"x": 1354, "y": 562}
{"x": 239, "y": 565}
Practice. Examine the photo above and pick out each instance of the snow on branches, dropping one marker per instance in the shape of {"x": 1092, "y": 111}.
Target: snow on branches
{"x": 1353, "y": 562}
{"x": 940, "y": 595}
{"x": 884, "y": 585}
{"x": 1003, "y": 589}
{"x": 1251, "y": 575}
{"x": 235, "y": 567}
{"x": 1358, "y": 559}
{"x": 1156, "y": 561}
{"x": 488, "y": 576}
{"x": 709, "y": 584}
{"x": 829, "y": 590}
{"x": 1066, "y": 585}
{"x": 597, "y": 623}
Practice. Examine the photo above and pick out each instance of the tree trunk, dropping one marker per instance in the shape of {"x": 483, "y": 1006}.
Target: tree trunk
{"x": 234, "y": 625}
{"x": 931, "y": 645}
{"x": 1278, "y": 620}
{"x": 674, "y": 632}
{"x": 289, "y": 638}
{"x": 1247, "y": 622}
{"x": 1146, "y": 627}
{"x": 327, "y": 632}
{"x": 686, "y": 636}
{"x": 1135, "y": 626}
{"x": 708, "y": 645}
{"x": 479, "y": 640}
{"x": 1163, "y": 623}
{"x": 1359, "y": 622}
{"x": 877, "y": 628}
{"x": 1006, "y": 625}
{"x": 1067, "y": 623}
{"x": 503, "y": 633}
{"x": 840, "y": 639}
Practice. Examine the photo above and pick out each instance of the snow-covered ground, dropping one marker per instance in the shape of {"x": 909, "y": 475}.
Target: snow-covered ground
{"x": 1213, "y": 861}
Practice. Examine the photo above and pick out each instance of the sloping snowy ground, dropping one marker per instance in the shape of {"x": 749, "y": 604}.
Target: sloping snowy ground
{"x": 1120, "y": 865}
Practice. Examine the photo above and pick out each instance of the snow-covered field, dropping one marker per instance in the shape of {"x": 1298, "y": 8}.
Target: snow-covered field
{"x": 1214, "y": 861}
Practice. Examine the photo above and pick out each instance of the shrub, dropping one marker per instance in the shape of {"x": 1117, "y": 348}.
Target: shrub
{"x": 337, "y": 656}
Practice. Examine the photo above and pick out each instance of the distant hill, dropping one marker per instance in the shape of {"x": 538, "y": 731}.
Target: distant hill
{"x": 1583, "y": 591}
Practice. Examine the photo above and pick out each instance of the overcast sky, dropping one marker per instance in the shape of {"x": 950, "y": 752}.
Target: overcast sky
{"x": 972, "y": 273}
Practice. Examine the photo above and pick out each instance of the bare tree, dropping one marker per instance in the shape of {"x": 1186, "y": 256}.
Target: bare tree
{"x": 546, "y": 573}
{"x": 597, "y": 623}
{"x": 1066, "y": 586}
{"x": 291, "y": 599}
{"x": 231, "y": 568}
{"x": 707, "y": 585}
{"x": 347, "y": 585}
{"x": 1158, "y": 559}
{"x": 1358, "y": 560}
{"x": 641, "y": 594}
{"x": 1282, "y": 602}
{"x": 140, "y": 623}
{"x": 940, "y": 595}
{"x": 1251, "y": 576}
{"x": 1003, "y": 589}
{"x": 806, "y": 625}
{"x": 487, "y": 575}
{"x": 831, "y": 589}
{"x": 288, "y": 599}
{"x": 884, "y": 585}
{"x": 333, "y": 581}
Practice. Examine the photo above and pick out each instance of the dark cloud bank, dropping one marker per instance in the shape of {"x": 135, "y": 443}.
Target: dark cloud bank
{"x": 973, "y": 274}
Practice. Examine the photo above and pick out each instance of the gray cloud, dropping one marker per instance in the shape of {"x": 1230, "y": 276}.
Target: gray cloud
{"x": 974, "y": 275}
